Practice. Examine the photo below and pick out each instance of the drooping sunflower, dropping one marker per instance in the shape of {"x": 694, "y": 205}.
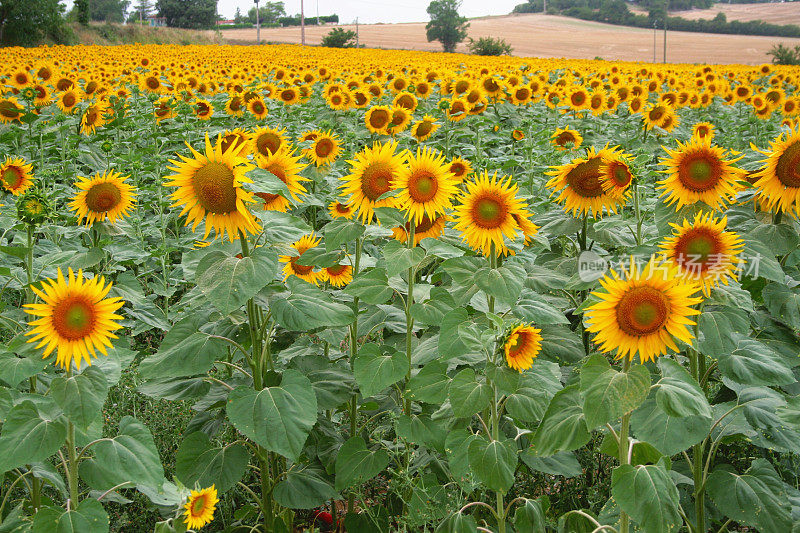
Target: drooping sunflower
{"x": 325, "y": 149}
{"x": 164, "y": 108}
{"x": 203, "y": 109}
{"x": 458, "y": 109}
{"x": 103, "y": 196}
{"x": 210, "y": 188}
{"x": 423, "y": 229}
{"x": 699, "y": 172}
{"x": 528, "y": 228}
{"x": 654, "y": 115}
{"x": 10, "y": 110}
{"x": 16, "y": 175}
{"x": 292, "y": 268}
{"x": 579, "y": 188}
{"x": 373, "y": 172}
{"x": 426, "y": 186}
{"x": 287, "y": 167}
{"x": 778, "y": 180}
{"x": 266, "y": 141}
{"x": 424, "y": 128}
{"x": 522, "y": 346}
{"x": 237, "y": 138}
{"x": 200, "y": 508}
{"x": 460, "y": 168}
{"x": 704, "y": 251}
{"x": 485, "y": 216}
{"x": 566, "y": 139}
{"x": 703, "y": 130}
{"x": 338, "y": 275}
{"x": 615, "y": 174}
{"x": 94, "y": 117}
{"x": 643, "y": 311}
{"x": 340, "y": 210}
{"x": 76, "y": 318}
{"x": 401, "y": 118}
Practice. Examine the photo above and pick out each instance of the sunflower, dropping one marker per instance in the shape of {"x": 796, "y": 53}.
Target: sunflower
{"x": 42, "y": 97}
{"x": 338, "y": 275}
{"x": 325, "y": 149}
{"x": 16, "y": 175}
{"x": 406, "y": 100}
{"x": 460, "y": 168}
{"x": 654, "y": 115}
{"x": 703, "y": 251}
{"x": 266, "y": 141}
{"x": 422, "y": 230}
{"x": 203, "y": 109}
{"x": 340, "y": 210}
{"x": 643, "y": 311}
{"x": 21, "y": 78}
{"x": 237, "y": 138}
{"x": 164, "y": 108}
{"x": 522, "y": 346}
{"x": 528, "y": 228}
{"x": 579, "y": 188}
{"x": 200, "y": 507}
{"x": 94, "y": 117}
{"x": 378, "y": 118}
{"x": 303, "y": 272}
{"x": 401, "y": 118}
{"x": 486, "y": 214}
{"x": 422, "y": 129}
{"x": 67, "y": 101}
{"x": 372, "y": 174}
{"x": 563, "y": 138}
{"x": 10, "y": 111}
{"x": 235, "y": 106}
{"x": 258, "y": 108}
{"x": 426, "y": 185}
{"x": 289, "y": 95}
{"x": 76, "y": 318}
{"x": 778, "y": 180}
{"x": 103, "y": 196}
{"x": 517, "y": 135}
{"x": 458, "y": 109}
{"x": 615, "y": 174}
{"x": 699, "y": 172}
{"x": 287, "y": 167}
{"x": 703, "y": 130}
{"x": 210, "y": 189}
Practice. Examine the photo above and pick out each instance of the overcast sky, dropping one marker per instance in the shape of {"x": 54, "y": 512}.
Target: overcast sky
{"x": 369, "y": 11}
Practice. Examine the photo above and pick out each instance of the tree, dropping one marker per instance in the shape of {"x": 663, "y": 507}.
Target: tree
{"x": 194, "y": 14}
{"x": 785, "y": 55}
{"x": 446, "y": 25}
{"x": 144, "y": 8}
{"x": 26, "y": 23}
{"x": 108, "y": 10}
{"x": 268, "y": 13}
{"x": 340, "y": 38}
{"x": 82, "y": 9}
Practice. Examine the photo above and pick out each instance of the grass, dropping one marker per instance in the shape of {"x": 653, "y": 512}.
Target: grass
{"x": 105, "y": 33}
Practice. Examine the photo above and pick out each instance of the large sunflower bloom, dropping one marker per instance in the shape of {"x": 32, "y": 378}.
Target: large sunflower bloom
{"x": 579, "y": 187}
{"x": 486, "y": 214}
{"x": 522, "y": 346}
{"x": 103, "y": 196}
{"x": 703, "y": 251}
{"x": 325, "y": 149}
{"x": 372, "y": 174}
{"x": 424, "y": 128}
{"x": 378, "y": 118}
{"x": 210, "y": 189}
{"x": 643, "y": 311}
{"x": 698, "y": 172}
{"x": 292, "y": 268}
{"x": 778, "y": 180}
{"x": 200, "y": 507}
{"x": 426, "y": 185}
{"x": 76, "y": 318}
{"x": 16, "y": 176}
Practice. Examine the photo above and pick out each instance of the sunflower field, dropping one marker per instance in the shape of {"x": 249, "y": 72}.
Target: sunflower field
{"x": 278, "y": 289}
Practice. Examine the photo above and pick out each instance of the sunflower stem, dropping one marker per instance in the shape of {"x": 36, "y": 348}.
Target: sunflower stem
{"x": 72, "y": 461}
{"x": 36, "y": 485}
{"x": 777, "y": 217}
{"x": 638, "y": 210}
{"x": 353, "y": 352}
{"x": 409, "y": 318}
{"x": 624, "y": 520}
{"x": 495, "y": 414}
{"x": 697, "y": 454}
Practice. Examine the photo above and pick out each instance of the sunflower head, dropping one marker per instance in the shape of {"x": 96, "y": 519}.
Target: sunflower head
{"x": 338, "y": 275}
{"x": 33, "y": 208}
{"x": 340, "y": 210}
{"x": 16, "y": 175}
{"x": 615, "y": 174}
{"x": 778, "y": 180}
{"x": 426, "y": 186}
{"x": 522, "y": 345}
{"x": 266, "y": 141}
{"x": 566, "y": 139}
{"x": 200, "y": 507}
{"x": 325, "y": 149}
{"x": 304, "y": 272}
{"x": 373, "y": 173}
{"x": 103, "y": 196}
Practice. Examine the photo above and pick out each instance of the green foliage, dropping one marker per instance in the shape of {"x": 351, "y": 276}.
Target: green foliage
{"x": 24, "y": 23}
{"x": 82, "y": 7}
{"x": 339, "y": 38}
{"x": 785, "y": 55}
{"x": 489, "y": 46}
{"x": 446, "y": 25}
{"x": 193, "y": 14}
{"x": 269, "y": 13}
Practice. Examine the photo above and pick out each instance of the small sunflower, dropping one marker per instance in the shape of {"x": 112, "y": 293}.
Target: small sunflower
{"x": 266, "y": 141}
{"x": 103, "y": 196}
{"x": 258, "y": 108}
{"x": 237, "y": 138}
{"x": 203, "y": 109}
{"x": 528, "y": 228}
{"x": 338, "y": 275}
{"x": 325, "y": 149}
{"x": 703, "y": 130}
{"x": 16, "y": 175}
{"x": 292, "y": 268}
{"x": 425, "y": 228}
{"x": 235, "y": 106}
{"x": 76, "y": 318}
{"x": 67, "y": 101}
{"x": 340, "y": 210}
{"x": 643, "y": 311}
{"x": 615, "y": 174}
{"x": 517, "y": 135}
{"x": 699, "y": 172}
{"x": 210, "y": 188}
{"x": 10, "y": 111}
{"x": 522, "y": 346}
{"x": 401, "y": 118}
{"x": 94, "y": 117}
{"x": 485, "y": 217}
{"x": 422, "y": 129}
{"x": 287, "y": 167}
{"x": 566, "y": 139}
{"x": 579, "y": 187}
{"x": 200, "y": 508}
{"x": 426, "y": 185}
{"x": 460, "y": 168}
{"x": 703, "y": 251}
{"x": 373, "y": 172}
{"x": 778, "y": 180}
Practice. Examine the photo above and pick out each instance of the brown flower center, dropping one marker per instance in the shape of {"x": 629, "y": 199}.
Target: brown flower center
{"x": 642, "y": 311}
{"x": 214, "y": 188}
{"x": 103, "y": 197}
{"x": 376, "y": 180}
{"x": 489, "y": 211}
{"x": 787, "y": 168}
{"x": 700, "y": 172}
{"x": 73, "y": 318}
{"x": 584, "y": 179}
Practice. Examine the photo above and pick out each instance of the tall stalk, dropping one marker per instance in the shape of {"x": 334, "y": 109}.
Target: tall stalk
{"x": 353, "y": 353}
{"x": 410, "y": 319}
{"x": 36, "y": 484}
{"x": 624, "y": 520}
{"x": 495, "y": 414}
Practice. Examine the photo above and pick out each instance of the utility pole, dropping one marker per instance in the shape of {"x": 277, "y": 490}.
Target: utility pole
{"x": 356, "y": 32}
{"x": 544, "y": 7}
{"x": 302, "y": 24}
{"x": 654, "y": 41}
{"x": 258, "y": 23}
{"x": 666, "y": 15}
{"x": 317, "y": 12}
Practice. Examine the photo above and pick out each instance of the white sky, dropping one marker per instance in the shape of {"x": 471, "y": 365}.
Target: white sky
{"x": 370, "y": 11}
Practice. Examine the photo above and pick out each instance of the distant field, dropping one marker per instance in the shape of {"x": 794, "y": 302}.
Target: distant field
{"x": 553, "y": 36}
{"x": 774, "y": 13}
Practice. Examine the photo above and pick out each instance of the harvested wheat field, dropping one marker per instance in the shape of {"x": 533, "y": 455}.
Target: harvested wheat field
{"x": 774, "y": 13}
{"x": 551, "y": 36}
